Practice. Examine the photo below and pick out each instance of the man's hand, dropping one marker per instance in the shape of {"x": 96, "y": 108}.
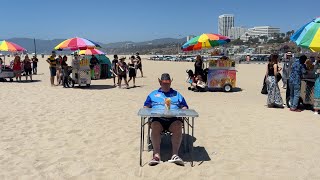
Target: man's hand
{"x": 184, "y": 108}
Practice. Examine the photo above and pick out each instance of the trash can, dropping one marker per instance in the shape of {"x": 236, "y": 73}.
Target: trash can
{"x": 42, "y": 55}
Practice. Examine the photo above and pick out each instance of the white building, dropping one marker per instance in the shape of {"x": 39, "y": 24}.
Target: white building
{"x": 259, "y": 31}
{"x": 226, "y": 22}
{"x": 190, "y": 37}
{"x": 236, "y": 32}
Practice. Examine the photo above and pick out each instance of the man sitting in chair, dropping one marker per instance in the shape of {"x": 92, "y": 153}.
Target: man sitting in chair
{"x": 156, "y": 100}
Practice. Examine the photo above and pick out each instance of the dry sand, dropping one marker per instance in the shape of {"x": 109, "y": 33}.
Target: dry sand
{"x": 56, "y": 133}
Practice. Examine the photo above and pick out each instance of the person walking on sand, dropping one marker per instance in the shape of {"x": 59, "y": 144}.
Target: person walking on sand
{"x": 122, "y": 72}
{"x": 139, "y": 64}
{"x": 27, "y": 67}
{"x": 17, "y": 68}
{"x": 298, "y": 69}
{"x": 132, "y": 71}
{"x": 35, "y": 64}
{"x": 114, "y": 69}
{"x": 274, "y": 96}
{"x": 52, "y": 66}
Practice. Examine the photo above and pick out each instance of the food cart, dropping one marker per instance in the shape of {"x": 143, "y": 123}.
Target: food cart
{"x": 6, "y": 72}
{"x": 221, "y": 74}
{"x": 81, "y": 72}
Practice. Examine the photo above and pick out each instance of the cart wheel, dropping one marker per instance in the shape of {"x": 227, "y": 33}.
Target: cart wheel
{"x": 11, "y": 80}
{"x": 227, "y": 88}
{"x": 88, "y": 85}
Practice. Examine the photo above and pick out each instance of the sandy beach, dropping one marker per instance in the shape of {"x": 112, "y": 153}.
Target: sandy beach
{"x": 93, "y": 133}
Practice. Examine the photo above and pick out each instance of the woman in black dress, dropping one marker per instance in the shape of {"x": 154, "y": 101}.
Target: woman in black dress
{"x": 198, "y": 66}
{"x": 132, "y": 71}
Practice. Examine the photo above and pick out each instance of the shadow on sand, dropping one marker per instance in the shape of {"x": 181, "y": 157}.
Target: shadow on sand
{"x": 200, "y": 155}
{"x": 95, "y": 87}
{"x": 234, "y": 90}
{"x": 22, "y": 81}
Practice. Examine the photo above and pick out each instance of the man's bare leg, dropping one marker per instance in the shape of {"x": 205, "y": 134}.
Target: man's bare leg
{"x": 176, "y": 129}
{"x": 156, "y": 137}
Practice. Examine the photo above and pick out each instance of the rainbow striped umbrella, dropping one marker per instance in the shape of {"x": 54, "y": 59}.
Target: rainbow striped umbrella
{"x": 205, "y": 41}
{"x": 76, "y": 44}
{"x": 308, "y": 36}
{"x": 9, "y": 46}
{"x": 90, "y": 52}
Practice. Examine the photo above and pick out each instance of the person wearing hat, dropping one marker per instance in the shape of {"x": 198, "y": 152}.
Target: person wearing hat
{"x": 139, "y": 64}
{"x": 287, "y": 63}
{"x": 158, "y": 99}
{"x": 52, "y": 66}
{"x": 122, "y": 69}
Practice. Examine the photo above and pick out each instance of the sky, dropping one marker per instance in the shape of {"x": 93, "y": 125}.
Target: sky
{"x": 109, "y": 21}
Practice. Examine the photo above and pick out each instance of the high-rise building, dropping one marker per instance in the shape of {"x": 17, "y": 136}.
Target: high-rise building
{"x": 226, "y": 22}
{"x": 236, "y": 32}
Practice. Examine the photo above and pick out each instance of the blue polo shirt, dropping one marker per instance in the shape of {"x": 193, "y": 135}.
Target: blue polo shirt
{"x": 156, "y": 99}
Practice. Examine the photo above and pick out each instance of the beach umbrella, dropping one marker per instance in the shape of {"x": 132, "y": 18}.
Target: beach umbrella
{"x": 9, "y": 46}
{"x": 205, "y": 41}
{"x": 308, "y": 36}
{"x": 90, "y": 52}
{"x": 76, "y": 44}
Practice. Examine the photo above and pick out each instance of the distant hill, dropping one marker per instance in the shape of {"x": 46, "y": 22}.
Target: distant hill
{"x": 46, "y": 46}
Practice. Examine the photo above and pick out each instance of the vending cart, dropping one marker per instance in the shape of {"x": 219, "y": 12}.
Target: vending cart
{"x": 222, "y": 75}
{"x": 81, "y": 72}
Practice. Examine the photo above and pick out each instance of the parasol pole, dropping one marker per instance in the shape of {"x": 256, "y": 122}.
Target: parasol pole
{"x": 35, "y": 47}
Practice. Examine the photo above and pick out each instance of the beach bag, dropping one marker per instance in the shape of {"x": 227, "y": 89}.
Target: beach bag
{"x": 264, "y": 87}
{"x": 278, "y": 77}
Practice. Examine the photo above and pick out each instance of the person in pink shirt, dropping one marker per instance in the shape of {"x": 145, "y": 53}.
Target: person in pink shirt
{"x": 17, "y": 68}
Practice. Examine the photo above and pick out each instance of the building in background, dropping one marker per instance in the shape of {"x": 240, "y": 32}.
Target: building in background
{"x": 259, "y": 31}
{"x": 190, "y": 37}
{"x": 226, "y": 22}
{"x": 236, "y": 32}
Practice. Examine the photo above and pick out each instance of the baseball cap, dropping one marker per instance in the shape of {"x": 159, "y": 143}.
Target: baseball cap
{"x": 165, "y": 78}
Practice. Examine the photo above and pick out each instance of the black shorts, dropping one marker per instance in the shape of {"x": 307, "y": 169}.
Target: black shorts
{"x": 165, "y": 122}
{"x": 132, "y": 73}
{"x": 139, "y": 67}
{"x": 28, "y": 71}
{"x": 122, "y": 76}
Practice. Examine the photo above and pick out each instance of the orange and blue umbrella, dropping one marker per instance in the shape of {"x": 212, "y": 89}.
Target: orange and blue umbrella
{"x": 205, "y": 41}
{"x": 91, "y": 52}
{"x": 308, "y": 36}
{"x": 10, "y": 46}
{"x": 76, "y": 44}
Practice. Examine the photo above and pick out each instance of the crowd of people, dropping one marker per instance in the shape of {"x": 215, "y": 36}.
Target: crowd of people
{"x": 58, "y": 68}
{"x": 120, "y": 69}
{"x": 293, "y": 71}
{"x": 26, "y": 67}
